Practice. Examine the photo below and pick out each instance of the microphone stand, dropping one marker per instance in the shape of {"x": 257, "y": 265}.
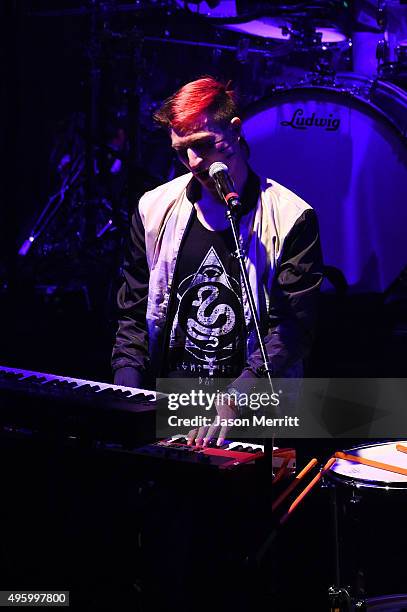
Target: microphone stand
{"x": 232, "y": 210}
{"x": 231, "y": 214}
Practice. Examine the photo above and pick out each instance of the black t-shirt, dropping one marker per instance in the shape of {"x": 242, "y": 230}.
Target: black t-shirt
{"x": 207, "y": 329}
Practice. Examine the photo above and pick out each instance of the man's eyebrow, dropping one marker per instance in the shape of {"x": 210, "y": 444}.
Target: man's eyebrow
{"x": 194, "y": 141}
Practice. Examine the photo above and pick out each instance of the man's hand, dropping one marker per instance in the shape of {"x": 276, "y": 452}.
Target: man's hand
{"x": 218, "y": 429}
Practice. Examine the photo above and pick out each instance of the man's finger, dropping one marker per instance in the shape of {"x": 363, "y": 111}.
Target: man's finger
{"x": 222, "y": 435}
{"x": 211, "y": 433}
{"x": 191, "y": 436}
{"x": 202, "y": 431}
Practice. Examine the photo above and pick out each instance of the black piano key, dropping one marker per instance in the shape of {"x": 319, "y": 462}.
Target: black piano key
{"x": 12, "y": 375}
{"x": 34, "y": 380}
{"x": 122, "y": 392}
{"x": 213, "y": 443}
{"x": 66, "y": 384}
{"x": 87, "y": 388}
{"x": 51, "y": 383}
{"x": 117, "y": 393}
{"x": 141, "y": 397}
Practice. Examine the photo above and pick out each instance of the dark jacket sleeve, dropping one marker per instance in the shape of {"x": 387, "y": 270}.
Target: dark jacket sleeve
{"x": 130, "y": 353}
{"x": 293, "y": 300}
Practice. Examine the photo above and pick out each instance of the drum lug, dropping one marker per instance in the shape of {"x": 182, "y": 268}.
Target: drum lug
{"x": 382, "y": 51}
{"x": 325, "y": 484}
{"x": 355, "y": 498}
{"x": 340, "y": 600}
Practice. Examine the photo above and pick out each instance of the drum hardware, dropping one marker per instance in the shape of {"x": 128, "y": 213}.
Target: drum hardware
{"x": 320, "y": 48}
{"x": 401, "y": 52}
{"x": 303, "y": 34}
{"x": 265, "y": 49}
{"x": 379, "y": 33}
{"x": 243, "y": 50}
{"x": 300, "y": 41}
{"x": 381, "y": 15}
{"x": 340, "y": 600}
{"x": 53, "y": 205}
{"x": 338, "y": 597}
{"x": 355, "y": 499}
{"x": 382, "y": 51}
{"x": 90, "y": 166}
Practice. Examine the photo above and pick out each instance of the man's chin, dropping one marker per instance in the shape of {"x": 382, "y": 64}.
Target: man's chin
{"x": 202, "y": 176}
{"x": 205, "y": 180}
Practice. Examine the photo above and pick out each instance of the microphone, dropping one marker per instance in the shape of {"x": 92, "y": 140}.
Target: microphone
{"x": 219, "y": 172}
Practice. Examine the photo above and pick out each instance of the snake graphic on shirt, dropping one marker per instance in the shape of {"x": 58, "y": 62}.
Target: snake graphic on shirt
{"x": 209, "y": 301}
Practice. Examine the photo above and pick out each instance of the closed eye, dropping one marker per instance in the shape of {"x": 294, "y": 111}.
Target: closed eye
{"x": 199, "y": 147}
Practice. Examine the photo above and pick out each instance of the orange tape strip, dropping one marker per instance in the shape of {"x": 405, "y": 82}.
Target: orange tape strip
{"x": 377, "y": 464}
{"x": 401, "y": 447}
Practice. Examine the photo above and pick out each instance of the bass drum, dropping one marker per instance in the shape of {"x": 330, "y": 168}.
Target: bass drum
{"x": 343, "y": 149}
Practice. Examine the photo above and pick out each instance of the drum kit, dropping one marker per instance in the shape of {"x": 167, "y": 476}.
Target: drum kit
{"x": 342, "y": 131}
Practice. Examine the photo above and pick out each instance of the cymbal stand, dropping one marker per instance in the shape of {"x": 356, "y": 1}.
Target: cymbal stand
{"x": 340, "y": 597}
{"x": 52, "y": 206}
{"x": 92, "y": 122}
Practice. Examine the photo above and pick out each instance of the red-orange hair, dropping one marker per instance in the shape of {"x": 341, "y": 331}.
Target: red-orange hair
{"x": 184, "y": 109}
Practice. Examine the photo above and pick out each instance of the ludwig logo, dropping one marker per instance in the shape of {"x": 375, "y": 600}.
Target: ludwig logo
{"x": 299, "y": 122}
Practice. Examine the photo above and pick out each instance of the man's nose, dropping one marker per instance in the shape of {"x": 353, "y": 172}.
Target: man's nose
{"x": 194, "y": 160}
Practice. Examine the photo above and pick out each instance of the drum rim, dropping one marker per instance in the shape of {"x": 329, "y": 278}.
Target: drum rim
{"x": 362, "y": 483}
{"x": 339, "y": 89}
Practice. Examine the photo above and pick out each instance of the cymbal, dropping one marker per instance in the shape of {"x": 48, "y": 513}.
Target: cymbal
{"x": 276, "y": 28}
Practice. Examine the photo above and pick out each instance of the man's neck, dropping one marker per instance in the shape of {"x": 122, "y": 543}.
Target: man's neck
{"x": 211, "y": 209}
{"x": 241, "y": 180}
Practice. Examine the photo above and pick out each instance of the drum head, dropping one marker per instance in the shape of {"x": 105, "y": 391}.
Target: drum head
{"x": 343, "y": 154}
{"x": 359, "y": 475}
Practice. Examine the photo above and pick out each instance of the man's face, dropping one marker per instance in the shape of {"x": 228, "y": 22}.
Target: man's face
{"x": 211, "y": 142}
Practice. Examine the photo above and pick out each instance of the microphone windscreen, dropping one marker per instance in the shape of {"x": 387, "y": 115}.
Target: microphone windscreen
{"x": 217, "y": 167}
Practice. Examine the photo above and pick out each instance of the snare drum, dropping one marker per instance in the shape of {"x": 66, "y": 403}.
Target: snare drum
{"x": 371, "y": 507}
{"x": 359, "y": 476}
